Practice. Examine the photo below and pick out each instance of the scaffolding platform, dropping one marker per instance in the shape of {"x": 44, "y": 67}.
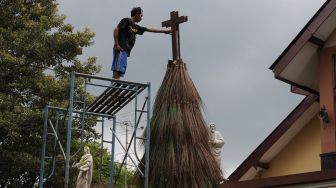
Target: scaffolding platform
{"x": 114, "y": 98}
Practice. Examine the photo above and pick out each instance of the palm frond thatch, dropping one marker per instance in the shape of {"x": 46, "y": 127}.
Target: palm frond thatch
{"x": 180, "y": 154}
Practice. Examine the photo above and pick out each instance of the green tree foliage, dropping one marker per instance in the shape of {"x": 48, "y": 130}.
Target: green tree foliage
{"x": 37, "y": 51}
{"x": 131, "y": 181}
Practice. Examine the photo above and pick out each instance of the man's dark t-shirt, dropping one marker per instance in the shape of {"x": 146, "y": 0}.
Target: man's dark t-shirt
{"x": 127, "y": 34}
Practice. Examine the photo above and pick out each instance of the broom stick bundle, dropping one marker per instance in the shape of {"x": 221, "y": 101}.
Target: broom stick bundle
{"x": 180, "y": 154}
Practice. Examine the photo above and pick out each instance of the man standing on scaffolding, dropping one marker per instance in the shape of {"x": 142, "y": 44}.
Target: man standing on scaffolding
{"x": 124, "y": 38}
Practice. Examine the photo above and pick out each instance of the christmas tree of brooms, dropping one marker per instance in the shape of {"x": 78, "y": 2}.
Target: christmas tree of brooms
{"x": 180, "y": 155}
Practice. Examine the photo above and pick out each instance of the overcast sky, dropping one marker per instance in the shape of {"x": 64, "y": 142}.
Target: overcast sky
{"x": 228, "y": 45}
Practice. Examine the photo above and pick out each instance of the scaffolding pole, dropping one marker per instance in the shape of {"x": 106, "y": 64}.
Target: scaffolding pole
{"x": 45, "y": 127}
{"x": 147, "y": 137}
{"x": 112, "y": 153}
{"x": 67, "y": 159}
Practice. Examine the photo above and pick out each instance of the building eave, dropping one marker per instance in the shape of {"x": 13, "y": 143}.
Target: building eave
{"x": 295, "y": 179}
{"x": 279, "y": 131}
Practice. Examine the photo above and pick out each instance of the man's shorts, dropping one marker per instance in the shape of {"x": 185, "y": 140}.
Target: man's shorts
{"x": 119, "y": 62}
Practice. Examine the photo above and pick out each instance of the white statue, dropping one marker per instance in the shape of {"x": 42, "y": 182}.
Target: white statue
{"x": 85, "y": 167}
{"x": 216, "y": 142}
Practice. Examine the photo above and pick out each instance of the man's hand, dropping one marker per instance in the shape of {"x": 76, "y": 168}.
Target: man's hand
{"x": 168, "y": 31}
{"x": 117, "y": 47}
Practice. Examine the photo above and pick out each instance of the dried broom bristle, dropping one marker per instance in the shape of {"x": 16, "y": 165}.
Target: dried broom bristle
{"x": 180, "y": 154}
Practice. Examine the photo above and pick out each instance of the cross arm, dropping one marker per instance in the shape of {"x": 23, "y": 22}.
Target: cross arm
{"x": 178, "y": 20}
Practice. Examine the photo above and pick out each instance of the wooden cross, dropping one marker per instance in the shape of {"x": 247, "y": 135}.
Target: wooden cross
{"x": 174, "y": 22}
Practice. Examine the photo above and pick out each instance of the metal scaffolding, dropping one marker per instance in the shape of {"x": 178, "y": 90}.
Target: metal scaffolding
{"x": 116, "y": 96}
